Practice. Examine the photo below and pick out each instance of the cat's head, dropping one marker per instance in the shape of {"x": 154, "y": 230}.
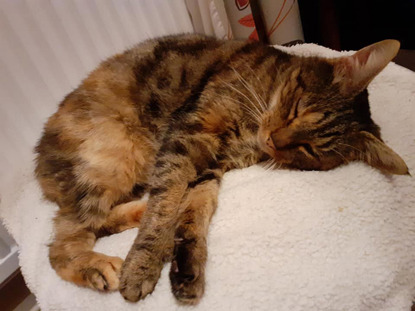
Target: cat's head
{"x": 319, "y": 117}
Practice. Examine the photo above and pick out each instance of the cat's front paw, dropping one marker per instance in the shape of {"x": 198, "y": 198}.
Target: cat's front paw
{"x": 187, "y": 288}
{"x": 187, "y": 272}
{"x": 139, "y": 276}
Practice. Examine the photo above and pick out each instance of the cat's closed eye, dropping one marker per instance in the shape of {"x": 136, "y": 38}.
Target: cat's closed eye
{"x": 294, "y": 112}
{"x": 308, "y": 150}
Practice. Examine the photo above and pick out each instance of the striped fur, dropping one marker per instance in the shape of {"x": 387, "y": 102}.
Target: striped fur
{"x": 171, "y": 116}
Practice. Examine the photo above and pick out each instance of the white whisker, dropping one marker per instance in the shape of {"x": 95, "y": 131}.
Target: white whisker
{"x": 270, "y": 165}
{"x": 245, "y": 106}
{"x": 250, "y": 89}
{"x": 258, "y": 114}
{"x": 357, "y": 149}
{"x": 259, "y": 82}
{"x": 336, "y": 151}
{"x": 253, "y": 104}
{"x": 267, "y": 164}
{"x": 361, "y": 152}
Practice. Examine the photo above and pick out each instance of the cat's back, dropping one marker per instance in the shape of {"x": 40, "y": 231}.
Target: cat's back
{"x": 138, "y": 89}
{"x": 142, "y": 86}
{"x": 152, "y": 78}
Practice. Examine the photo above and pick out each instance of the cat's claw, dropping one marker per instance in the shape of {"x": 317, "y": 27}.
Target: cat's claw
{"x": 139, "y": 277}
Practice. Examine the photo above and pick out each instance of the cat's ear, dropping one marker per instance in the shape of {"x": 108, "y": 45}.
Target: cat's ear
{"x": 355, "y": 72}
{"x": 380, "y": 156}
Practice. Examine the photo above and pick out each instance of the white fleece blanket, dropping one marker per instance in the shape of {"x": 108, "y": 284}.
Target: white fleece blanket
{"x": 280, "y": 240}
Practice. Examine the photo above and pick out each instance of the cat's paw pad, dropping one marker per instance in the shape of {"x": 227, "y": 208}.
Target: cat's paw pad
{"x": 104, "y": 274}
{"x": 139, "y": 278}
{"x": 188, "y": 287}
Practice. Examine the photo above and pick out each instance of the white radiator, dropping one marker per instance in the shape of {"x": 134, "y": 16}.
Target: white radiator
{"x": 46, "y": 48}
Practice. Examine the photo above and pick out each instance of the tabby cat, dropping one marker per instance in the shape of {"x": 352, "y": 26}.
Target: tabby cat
{"x": 171, "y": 116}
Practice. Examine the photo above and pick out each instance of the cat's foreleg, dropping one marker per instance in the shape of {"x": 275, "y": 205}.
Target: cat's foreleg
{"x": 187, "y": 273}
{"x": 155, "y": 241}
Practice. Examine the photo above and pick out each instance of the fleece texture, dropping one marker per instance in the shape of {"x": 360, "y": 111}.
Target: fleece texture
{"x": 280, "y": 240}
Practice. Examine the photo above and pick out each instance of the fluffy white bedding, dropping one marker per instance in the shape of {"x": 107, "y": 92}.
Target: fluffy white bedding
{"x": 280, "y": 240}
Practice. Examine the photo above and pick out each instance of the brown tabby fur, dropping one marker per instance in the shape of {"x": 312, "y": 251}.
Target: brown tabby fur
{"x": 172, "y": 115}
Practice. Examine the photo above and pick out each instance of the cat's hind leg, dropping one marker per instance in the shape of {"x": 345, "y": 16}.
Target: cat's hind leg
{"x": 123, "y": 216}
{"x": 71, "y": 253}
{"x": 73, "y": 259}
{"x": 88, "y": 168}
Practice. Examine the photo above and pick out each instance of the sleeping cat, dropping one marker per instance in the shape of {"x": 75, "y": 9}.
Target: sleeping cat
{"x": 171, "y": 116}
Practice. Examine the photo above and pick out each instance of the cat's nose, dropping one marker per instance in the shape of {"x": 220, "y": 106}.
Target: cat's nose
{"x": 281, "y": 138}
